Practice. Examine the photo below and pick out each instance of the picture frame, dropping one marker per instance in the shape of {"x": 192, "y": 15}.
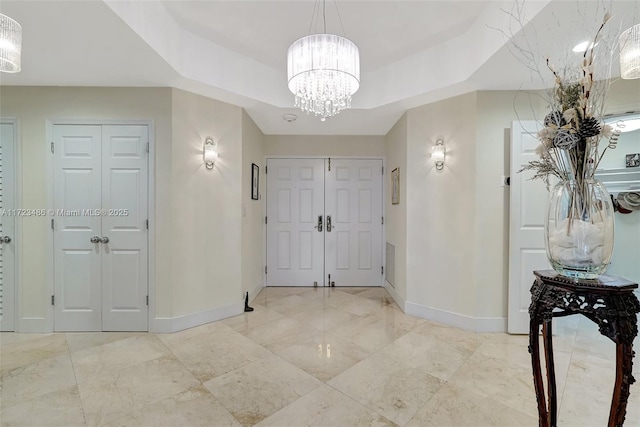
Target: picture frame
{"x": 395, "y": 186}
{"x": 255, "y": 181}
{"x": 633, "y": 160}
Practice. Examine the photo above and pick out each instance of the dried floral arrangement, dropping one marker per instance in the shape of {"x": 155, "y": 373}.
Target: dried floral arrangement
{"x": 570, "y": 140}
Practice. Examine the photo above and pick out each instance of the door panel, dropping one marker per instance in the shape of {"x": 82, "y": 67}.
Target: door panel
{"x": 295, "y": 199}
{"x": 354, "y": 202}
{"x": 77, "y": 265}
{"x": 526, "y": 236}
{"x": 7, "y": 226}
{"x": 124, "y": 198}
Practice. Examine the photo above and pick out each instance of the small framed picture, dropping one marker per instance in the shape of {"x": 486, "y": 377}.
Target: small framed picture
{"x": 395, "y": 186}
{"x": 255, "y": 181}
{"x": 633, "y": 160}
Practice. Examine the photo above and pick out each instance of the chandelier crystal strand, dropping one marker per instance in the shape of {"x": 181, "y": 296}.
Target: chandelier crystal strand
{"x": 630, "y": 53}
{"x": 323, "y": 72}
{"x": 10, "y": 44}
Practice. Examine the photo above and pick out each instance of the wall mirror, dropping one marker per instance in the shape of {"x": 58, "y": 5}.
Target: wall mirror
{"x": 619, "y": 170}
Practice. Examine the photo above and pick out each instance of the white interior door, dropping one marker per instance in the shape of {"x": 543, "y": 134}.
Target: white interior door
{"x": 345, "y": 200}
{"x": 100, "y": 236}
{"x": 353, "y": 207}
{"x": 124, "y": 199}
{"x": 77, "y": 197}
{"x": 7, "y": 225}
{"x": 295, "y": 201}
{"x": 526, "y": 236}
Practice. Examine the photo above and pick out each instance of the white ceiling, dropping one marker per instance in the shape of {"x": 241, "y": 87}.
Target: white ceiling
{"x": 412, "y": 52}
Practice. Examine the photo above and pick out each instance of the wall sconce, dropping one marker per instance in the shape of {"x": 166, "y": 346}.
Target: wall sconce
{"x": 437, "y": 154}
{"x": 209, "y": 153}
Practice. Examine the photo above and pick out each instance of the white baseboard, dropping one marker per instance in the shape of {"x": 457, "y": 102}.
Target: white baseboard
{"x": 462, "y": 321}
{"x": 394, "y": 294}
{"x": 253, "y": 293}
{"x": 33, "y": 325}
{"x": 179, "y": 323}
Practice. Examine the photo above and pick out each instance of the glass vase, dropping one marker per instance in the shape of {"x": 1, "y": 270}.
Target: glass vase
{"x": 579, "y": 228}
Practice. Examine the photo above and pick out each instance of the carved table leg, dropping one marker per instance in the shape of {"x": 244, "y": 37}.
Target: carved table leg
{"x": 547, "y": 336}
{"x": 624, "y": 379}
{"x": 534, "y": 349}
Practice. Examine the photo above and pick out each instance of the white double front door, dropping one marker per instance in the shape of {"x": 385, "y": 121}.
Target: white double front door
{"x": 100, "y": 227}
{"x": 324, "y": 222}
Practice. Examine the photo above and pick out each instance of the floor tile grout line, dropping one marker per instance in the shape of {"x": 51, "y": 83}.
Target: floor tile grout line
{"x": 75, "y": 377}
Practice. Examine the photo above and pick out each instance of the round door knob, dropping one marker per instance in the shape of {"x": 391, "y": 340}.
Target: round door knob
{"x": 95, "y": 239}
{"x": 6, "y": 239}
{"x": 105, "y": 239}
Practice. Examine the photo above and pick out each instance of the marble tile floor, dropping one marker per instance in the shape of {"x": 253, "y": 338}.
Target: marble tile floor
{"x": 304, "y": 357}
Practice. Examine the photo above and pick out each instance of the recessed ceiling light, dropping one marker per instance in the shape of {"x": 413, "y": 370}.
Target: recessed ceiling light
{"x": 581, "y": 47}
{"x": 289, "y": 117}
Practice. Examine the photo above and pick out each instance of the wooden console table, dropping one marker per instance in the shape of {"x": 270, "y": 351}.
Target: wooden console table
{"x": 607, "y": 301}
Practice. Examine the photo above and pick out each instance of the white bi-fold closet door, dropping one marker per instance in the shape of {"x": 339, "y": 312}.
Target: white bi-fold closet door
{"x": 324, "y": 222}
{"x": 100, "y": 227}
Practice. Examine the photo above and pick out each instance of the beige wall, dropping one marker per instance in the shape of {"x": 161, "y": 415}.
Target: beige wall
{"x": 196, "y": 216}
{"x": 304, "y": 145}
{"x": 457, "y": 219}
{"x": 396, "y": 215}
{"x": 253, "y": 244}
{"x": 441, "y": 206}
{"x": 206, "y": 204}
{"x": 33, "y": 106}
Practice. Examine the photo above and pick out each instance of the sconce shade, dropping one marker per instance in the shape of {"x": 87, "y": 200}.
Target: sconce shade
{"x": 630, "y": 53}
{"x": 438, "y": 154}
{"x": 10, "y": 44}
{"x": 210, "y": 154}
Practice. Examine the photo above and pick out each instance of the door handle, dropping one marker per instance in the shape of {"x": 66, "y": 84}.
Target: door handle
{"x": 329, "y": 227}
{"x": 5, "y": 239}
{"x": 105, "y": 239}
{"x": 95, "y": 239}
{"x": 319, "y": 226}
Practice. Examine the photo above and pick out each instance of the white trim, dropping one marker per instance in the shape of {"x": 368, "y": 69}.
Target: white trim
{"x": 30, "y": 325}
{"x": 17, "y": 224}
{"x": 179, "y": 323}
{"x": 253, "y": 293}
{"x": 151, "y": 168}
{"x": 151, "y": 216}
{"x": 395, "y": 295}
{"x": 462, "y": 321}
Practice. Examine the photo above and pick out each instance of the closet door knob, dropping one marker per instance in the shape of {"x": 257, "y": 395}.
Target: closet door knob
{"x": 105, "y": 239}
{"x": 95, "y": 239}
{"x": 5, "y": 239}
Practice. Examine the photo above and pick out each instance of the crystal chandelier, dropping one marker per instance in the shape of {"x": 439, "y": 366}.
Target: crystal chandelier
{"x": 10, "y": 44}
{"x": 630, "y": 53}
{"x": 323, "y": 72}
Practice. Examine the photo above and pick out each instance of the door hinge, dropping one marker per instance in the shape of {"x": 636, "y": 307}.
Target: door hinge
{"x": 53, "y": 300}
{"x": 265, "y": 269}
{"x": 265, "y": 219}
{"x": 147, "y": 299}
{"x": 329, "y": 164}
{"x": 383, "y": 170}
{"x": 147, "y": 147}
{"x": 265, "y": 170}
{"x": 52, "y": 149}
{"x": 147, "y": 223}
{"x": 382, "y": 270}
{"x": 382, "y": 220}
{"x": 52, "y": 226}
